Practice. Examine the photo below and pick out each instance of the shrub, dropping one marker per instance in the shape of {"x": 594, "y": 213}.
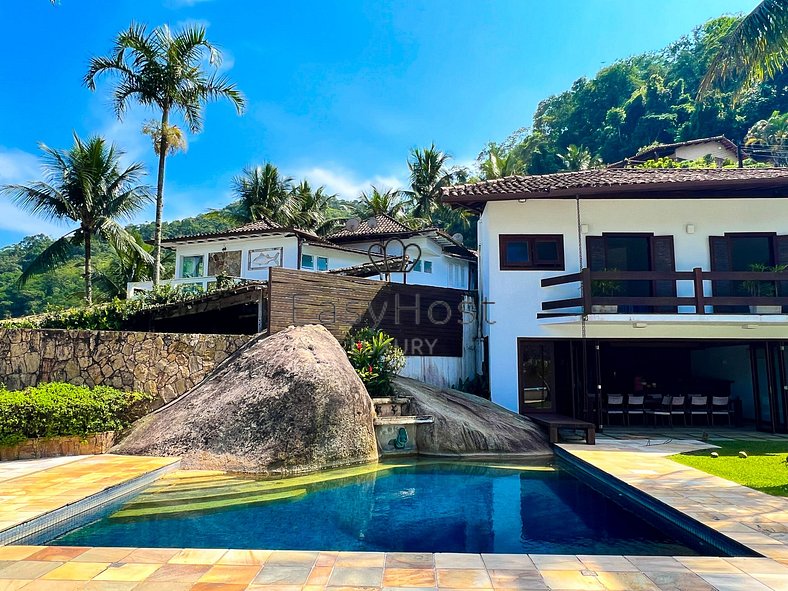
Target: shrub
{"x": 376, "y": 359}
{"x": 56, "y": 408}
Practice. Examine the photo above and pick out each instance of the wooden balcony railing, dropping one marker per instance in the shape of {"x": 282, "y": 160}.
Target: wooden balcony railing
{"x": 697, "y": 300}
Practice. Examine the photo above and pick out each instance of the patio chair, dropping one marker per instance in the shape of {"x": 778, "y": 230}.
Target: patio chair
{"x": 663, "y": 410}
{"x": 720, "y": 405}
{"x": 677, "y": 409}
{"x": 635, "y": 406}
{"x": 614, "y": 406}
{"x": 698, "y": 406}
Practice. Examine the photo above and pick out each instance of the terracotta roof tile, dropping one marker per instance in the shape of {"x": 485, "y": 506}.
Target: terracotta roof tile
{"x": 609, "y": 181}
{"x": 385, "y": 225}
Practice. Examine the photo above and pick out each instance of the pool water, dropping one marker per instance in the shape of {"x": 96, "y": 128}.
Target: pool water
{"x": 415, "y": 507}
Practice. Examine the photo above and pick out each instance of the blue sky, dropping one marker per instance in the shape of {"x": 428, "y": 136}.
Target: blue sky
{"x": 338, "y": 91}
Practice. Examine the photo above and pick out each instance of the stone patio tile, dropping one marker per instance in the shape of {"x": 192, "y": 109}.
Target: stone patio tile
{"x": 76, "y": 571}
{"x": 361, "y": 559}
{"x": 13, "y": 584}
{"x": 463, "y": 578}
{"x": 708, "y": 565}
{"x": 729, "y": 582}
{"x": 556, "y": 562}
{"x": 505, "y": 561}
{"x": 245, "y": 557}
{"x": 229, "y": 573}
{"x": 607, "y": 563}
{"x": 18, "y": 552}
{"x": 179, "y": 573}
{"x": 356, "y": 577}
{"x": 319, "y": 576}
{"x": 282, "y": 575}
{"x": 626, "y": 581}
{"x": 59, "y": 553}
{"x": 41, "y": 585}
{"x": 109, "y": 585}
{"x": 756, "y": 566}
{"x": 218, "y": 587}
{"x": 456, "y": 560}
{"x": 657, "y": 563}
{"x": 409, "y": 577}
{"x": 28, "y": 569}
{"x": 409, "y": 560}
{"x": 152, "y": 555}
{"x": 516, "y": 579}
{"x": 256, "y": 587}
{"x": 128, "y": 571}
{"x": 679, "y": 581}
{"x": 326, "y": 558}
{"x": 197, "y": 556}
{"x": 571, "y": 580}
{"x": 292, "y": 558}
{"x": 103, "y": 555}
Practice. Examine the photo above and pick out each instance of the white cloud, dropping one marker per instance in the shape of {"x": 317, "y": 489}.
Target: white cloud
{"x": 183, "y": 3}
{"x": 347, "y": 184}
{"x": 17, "y": 166}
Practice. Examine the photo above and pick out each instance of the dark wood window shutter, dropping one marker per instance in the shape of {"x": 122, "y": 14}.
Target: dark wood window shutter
{"x": 721, "y": 261}
{"x": 781, "y": 258}
{"x": 663, "y": 260}
{"x": 595, "y": 249}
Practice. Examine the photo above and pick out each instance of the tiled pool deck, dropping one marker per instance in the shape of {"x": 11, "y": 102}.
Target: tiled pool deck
{"x": 757, "y": 520}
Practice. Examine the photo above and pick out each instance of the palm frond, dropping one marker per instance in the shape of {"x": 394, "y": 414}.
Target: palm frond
{"x": 55, "y": 255}
{"x": 754, "y": 50}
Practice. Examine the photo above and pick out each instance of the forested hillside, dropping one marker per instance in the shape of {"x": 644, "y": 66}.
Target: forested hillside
{"x": 631, "y": 104}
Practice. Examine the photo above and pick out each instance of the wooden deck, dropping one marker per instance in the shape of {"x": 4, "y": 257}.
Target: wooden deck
{"x": 554, "y": 422}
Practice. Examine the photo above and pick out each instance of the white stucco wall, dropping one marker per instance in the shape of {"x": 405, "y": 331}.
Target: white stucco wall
{"x": 695, "y": 151}
{"x": 517, "y": 295}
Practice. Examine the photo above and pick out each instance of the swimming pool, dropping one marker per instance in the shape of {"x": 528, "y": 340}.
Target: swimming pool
{"x": 407, "y": 507}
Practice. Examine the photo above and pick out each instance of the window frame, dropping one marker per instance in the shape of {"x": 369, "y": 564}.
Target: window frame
{"x": 317, "y": 263}
{"x": 200, "y": 266}
{"x": 533, "y": 265}
{"x": 310, "y": 267}
{"x": 425, "y": 267}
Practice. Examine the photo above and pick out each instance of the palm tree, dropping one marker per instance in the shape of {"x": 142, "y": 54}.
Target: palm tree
{"x": 498, "y": 165}
{"x": 310, "y": 207}
{"x": 87, "y": 185}
{"x": 578, "y": 158}
{"x": 375, "y": 203}
{"x": 428, "y": 176}
{"x": 263, "y": 194}
{"x": 126, "y": 267}
{"x": 754, "y": 50}
{"x": 164, "y": 70}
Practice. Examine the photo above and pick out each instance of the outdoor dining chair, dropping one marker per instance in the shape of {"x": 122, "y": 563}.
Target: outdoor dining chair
{"x": 720, "y": 405}
{"x": 677, "y": 408}
{"x": 698, "y": 406}
{"x": 614, "y": 406}
{"x": 635, "y": 406}
{"x": 663, "y": 410}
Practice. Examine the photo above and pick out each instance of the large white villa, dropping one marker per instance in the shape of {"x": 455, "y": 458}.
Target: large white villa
{"x": 634, "y": 282}
{"x": 249, "y": 251}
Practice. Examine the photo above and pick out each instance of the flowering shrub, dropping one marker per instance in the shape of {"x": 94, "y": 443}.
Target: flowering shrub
{"x": 375, "y": 358}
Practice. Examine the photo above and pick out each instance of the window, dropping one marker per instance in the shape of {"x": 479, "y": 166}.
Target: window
{"x": 322, "y": 264}
{"x": 307, "y": 261}
{"x": 191, "y": 266}
{"x": 428, "y": 266}
{"x": 532, "y": 252}
{"x": 417, "y": 266}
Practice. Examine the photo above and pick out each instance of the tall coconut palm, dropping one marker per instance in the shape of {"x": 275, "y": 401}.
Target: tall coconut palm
{"x": 87, "y": 185}
{"x": 754, "y": 50}
{"x": 310, "y": 207}
{"x": 388, "y": 202}
{"x": 428, "y": 176}
{"x": 164, "y": 70}
{"x": 263, "y": 193}
{"x": 500, "y": 164}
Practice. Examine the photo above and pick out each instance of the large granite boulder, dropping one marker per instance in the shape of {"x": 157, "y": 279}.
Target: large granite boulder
{"x": 288, "y": 403}
{"x": 468, "y": 425}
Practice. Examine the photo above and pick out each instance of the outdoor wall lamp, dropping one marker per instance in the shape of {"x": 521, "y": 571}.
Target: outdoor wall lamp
{"x": 690, "y": 228}
{"x": 639, "y": 325}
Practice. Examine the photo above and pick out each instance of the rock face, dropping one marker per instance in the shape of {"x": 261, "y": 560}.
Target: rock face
{"x": 469, "y": 425}
{"x": 289, "y": 403}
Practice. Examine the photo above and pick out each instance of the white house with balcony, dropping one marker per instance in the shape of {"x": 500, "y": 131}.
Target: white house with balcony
{"x": 662, "y": 284}
{"x": 363, "y": 248}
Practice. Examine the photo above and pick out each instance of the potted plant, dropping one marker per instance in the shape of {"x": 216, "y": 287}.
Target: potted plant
{"x": 605, "y": 288}
{"x": 764, "y": 289}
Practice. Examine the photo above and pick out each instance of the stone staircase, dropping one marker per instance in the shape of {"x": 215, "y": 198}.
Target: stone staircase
{"x": 396, "y": 426}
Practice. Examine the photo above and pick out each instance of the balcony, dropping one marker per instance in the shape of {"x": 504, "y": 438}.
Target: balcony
{"x": 693, "y": 293}
{"x": 195, "y": 285}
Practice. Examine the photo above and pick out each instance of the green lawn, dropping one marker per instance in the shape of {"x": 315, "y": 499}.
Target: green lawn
{"x": 765, "y": 469}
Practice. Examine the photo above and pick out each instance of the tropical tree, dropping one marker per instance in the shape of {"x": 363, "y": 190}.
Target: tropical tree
{"x": 375, "y": 202}
{"x": 500, "y": 163}
{"x": 428, "y": 176}
{"x": 578, "y": 158}
{"x": 125, "y": 267}
{"x": 756, "y": 49}
{"x": 86, "y": 185}
{"x": 263, "y": 194}
{"x": 166, "y": 71}
{"x": 310, "y": 208}
{"x": 769, "y": 137}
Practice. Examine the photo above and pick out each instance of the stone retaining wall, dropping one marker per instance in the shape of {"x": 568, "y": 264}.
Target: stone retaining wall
{"x": 164, "y": 364}
{"x": 55, "y": 447}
